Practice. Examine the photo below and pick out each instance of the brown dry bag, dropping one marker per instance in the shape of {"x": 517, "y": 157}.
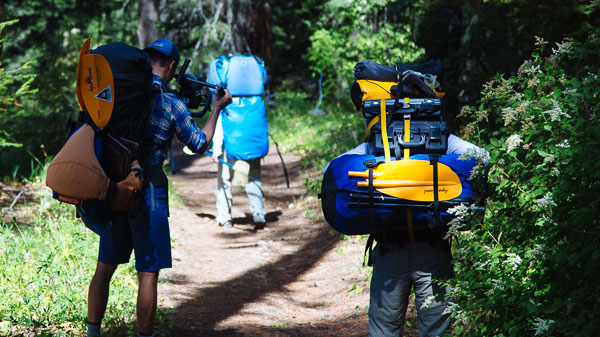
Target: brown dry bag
{"x": 75, "y": 173}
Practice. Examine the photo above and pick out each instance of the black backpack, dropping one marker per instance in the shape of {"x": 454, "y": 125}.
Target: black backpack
{"x": 129, "y": 124}
{"x": 132, "y": 74}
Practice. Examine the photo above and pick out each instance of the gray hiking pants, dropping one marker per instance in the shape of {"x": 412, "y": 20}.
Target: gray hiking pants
{"x": 400, "y": 268}
{"x": 253, "y": 191}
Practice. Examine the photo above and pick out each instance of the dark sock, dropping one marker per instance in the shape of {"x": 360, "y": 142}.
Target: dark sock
{"x": 93, "y": 330}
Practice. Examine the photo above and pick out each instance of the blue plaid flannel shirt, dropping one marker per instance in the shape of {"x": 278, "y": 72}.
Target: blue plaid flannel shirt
{"x": 171, "y": 116}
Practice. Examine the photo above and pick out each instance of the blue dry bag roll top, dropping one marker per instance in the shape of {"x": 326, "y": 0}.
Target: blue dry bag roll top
{"x": 243, "y": 75}
{"x": 245, "y": 127}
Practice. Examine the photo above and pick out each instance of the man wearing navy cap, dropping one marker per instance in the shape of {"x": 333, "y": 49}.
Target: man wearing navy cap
{"x": 150, "y": 237}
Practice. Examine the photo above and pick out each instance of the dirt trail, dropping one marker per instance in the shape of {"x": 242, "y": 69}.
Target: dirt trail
{"x": 293, "y": 278}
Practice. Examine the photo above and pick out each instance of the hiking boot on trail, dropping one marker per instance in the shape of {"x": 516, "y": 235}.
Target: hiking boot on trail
{"x": 258, "y": 225}
{"x": 227, "y": 224}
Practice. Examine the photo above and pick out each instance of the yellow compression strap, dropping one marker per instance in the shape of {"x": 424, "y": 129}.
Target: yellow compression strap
{"x": 370, "y": 126}
{"x": 406, "y": 129}
{"x": 384, "y": 138}
{"x": 406, "y": 136}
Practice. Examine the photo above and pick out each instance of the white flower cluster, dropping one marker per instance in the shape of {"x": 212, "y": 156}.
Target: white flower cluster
{"x": 539, "y": 41}
{"x": 460, "y": 210}
{"x": 454, "y": 309}
{"x": 527, "y": 68}
{"x": 501, "y": 87}
{"x": 428, "y": 301}
{"x": 458, "y": 223}
{"x": 546, "y": 201}
{"x": 569, "y": 91}
{"x": 475, "y": 153}
{"x": 548, "y": 159}
{"x": 556, "y": 112}
{"x": 477, "y": 170}
{"x": 513, "y": 142}
{"x": 514, "y": 260}
{"x": 535, "y": 253}
{"x": 480, "y": 264}
{"x": 451, "y": 308}
{"x": 564, "y": 48}
{"x": 541, "y": 326}
{"x": 591, "y": 77}
{"x": 465, "y": 110}
{"x": 565, "y": 144}
{"x": 509, "y": 115}
{"x": 497, "y": 285}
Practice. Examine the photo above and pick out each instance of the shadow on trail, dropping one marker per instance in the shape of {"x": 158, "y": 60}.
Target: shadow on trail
{"x": 200, "y": 315}
{"x": 246, "y": 219}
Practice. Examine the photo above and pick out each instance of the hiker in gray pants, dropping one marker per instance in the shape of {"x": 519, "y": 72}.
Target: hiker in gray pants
{"x": 403, "y": 265}
{"x": 399, "y": 265}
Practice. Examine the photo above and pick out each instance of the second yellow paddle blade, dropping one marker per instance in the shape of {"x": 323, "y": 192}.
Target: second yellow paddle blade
{"x": 413, "y": 180}
{"x": 97, "y": 88}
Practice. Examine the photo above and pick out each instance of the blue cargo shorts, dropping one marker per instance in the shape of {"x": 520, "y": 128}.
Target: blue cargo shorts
{"x": 145, "y": 230}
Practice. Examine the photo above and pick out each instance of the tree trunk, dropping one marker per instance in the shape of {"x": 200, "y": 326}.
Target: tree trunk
{"x": 148, "y": 11}
{"x": 259, "y": 29}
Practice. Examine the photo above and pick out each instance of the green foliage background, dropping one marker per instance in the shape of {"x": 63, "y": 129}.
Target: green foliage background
{"x": 523, "y": 74}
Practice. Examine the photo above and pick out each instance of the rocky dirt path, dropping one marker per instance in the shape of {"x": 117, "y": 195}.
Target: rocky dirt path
{"x": 296, "y": 277}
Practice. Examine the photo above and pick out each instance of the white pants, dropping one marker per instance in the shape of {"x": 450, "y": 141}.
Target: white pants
{"x": 253, "y": 191}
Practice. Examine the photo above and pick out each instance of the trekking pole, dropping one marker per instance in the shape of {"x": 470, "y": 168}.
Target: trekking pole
{"x": 287, "y": 178}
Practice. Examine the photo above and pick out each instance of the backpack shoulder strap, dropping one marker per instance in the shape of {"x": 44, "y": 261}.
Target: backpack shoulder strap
{"x": 222, "y": 66}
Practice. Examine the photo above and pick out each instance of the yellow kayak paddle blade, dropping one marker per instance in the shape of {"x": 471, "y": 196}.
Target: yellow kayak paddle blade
{"x": 85, "y": 49}
{"x": 97, "y": 88}
{"x": 412, "y": 180}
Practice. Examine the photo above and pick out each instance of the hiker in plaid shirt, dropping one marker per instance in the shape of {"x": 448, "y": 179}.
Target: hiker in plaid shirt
{"x": 146, "y": 228}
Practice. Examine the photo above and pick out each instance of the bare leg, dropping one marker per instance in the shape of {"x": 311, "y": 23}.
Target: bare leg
{"x": 98, "y": 292}
{"x": 146, "y": 302}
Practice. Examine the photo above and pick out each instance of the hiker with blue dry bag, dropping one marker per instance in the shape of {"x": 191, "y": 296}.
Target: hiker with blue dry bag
{"x": 241, "y": 135}
{"x": 397, "y": 187}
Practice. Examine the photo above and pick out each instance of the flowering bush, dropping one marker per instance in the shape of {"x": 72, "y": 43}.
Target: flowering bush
{"x": 528, "y": 264}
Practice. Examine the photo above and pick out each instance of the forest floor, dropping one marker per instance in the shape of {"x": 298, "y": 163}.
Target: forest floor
{"x": 296, "y": 277}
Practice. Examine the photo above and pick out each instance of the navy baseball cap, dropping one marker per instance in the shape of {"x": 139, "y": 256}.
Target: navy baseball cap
{"x": 166, "y": 47}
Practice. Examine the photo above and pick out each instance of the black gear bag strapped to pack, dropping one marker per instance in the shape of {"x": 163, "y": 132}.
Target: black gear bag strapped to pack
{"x": 111, "y": 135}
{"x": 409, "y": 181}
{"x": 132, "y": 74}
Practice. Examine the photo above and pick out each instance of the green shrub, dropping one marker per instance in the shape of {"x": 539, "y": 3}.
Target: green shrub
{"x": 14, "y": 84}
{"x": 528, "y": 265}
{"x": 47, "y": 259}
{"x": 317, "y": 138}
{"x": 353, "y": 31}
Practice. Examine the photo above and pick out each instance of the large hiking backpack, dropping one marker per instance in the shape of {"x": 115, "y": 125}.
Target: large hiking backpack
{"x": 101, "y": 159}
{"x": 244, "y": 121}
{"x": 415, "y": 182}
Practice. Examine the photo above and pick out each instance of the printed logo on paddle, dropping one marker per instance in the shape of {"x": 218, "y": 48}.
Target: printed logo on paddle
{"x": 440, "y": 190}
